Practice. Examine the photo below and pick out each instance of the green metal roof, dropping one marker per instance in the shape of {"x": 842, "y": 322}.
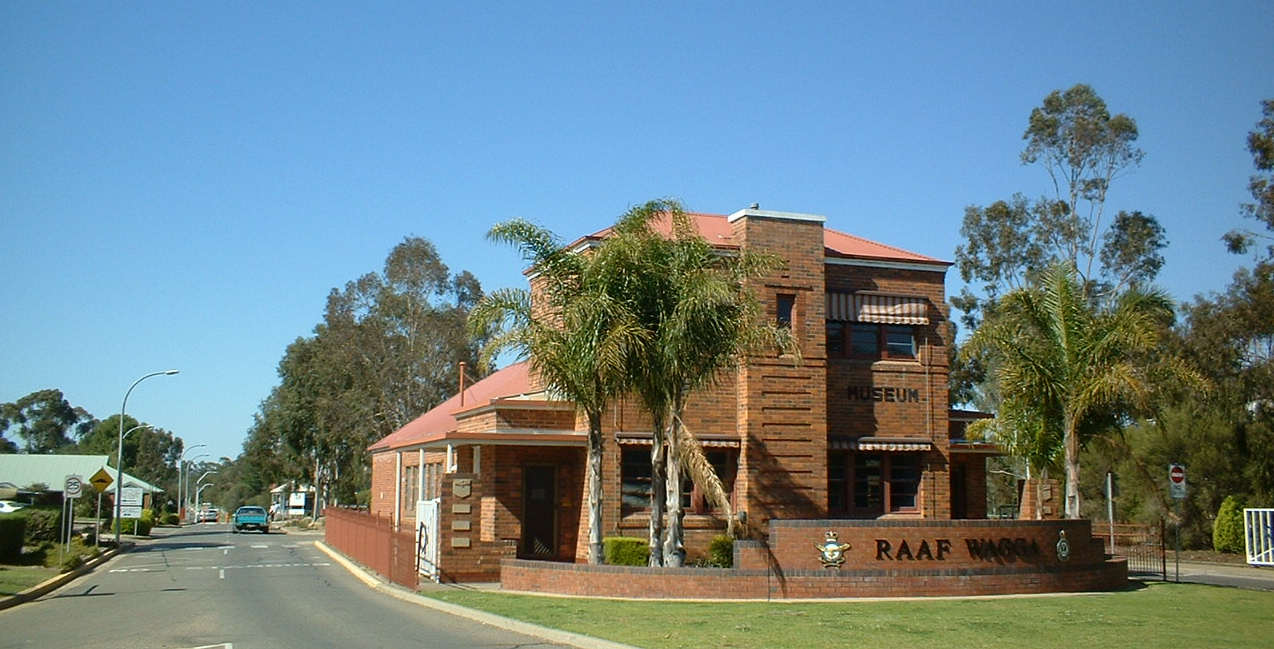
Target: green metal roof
{"x": 26, "y": 470}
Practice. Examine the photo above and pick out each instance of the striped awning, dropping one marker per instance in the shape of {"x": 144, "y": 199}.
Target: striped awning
{"x": 882, "y": 308}
{"x": 645, "y": 439}
{"x": 879, "y": 444}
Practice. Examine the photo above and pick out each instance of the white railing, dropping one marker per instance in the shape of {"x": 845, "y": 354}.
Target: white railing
{"x": 1258, "y": 536}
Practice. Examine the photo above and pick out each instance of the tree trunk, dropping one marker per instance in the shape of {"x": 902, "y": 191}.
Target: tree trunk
{"x": 594, "y": 488}
{"x": 674, "y": 545}
{"x": 1071, "y": 441}
{"x": 658, "y": 453}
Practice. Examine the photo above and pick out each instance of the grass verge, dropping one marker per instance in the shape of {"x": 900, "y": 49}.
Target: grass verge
{"x": 15, "y": 579}
{"x": 1151, "y": 616}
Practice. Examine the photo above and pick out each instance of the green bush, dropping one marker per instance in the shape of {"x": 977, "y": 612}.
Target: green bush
{"x": 12, "y": 532}
{"x": 171, "y": 519}
{"x": 626, "y": 551}
{"x": 136, "y": 526}
{"x": 43, "y": 523}
{"x": 1227, "y": 529}
{"x": 721, "y": 552}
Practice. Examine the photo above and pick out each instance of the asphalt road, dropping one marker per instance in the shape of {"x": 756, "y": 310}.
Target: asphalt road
{"x": 201, "y": 586}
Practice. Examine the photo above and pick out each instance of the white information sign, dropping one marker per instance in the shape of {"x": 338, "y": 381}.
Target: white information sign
{"x": 130, "y": 502}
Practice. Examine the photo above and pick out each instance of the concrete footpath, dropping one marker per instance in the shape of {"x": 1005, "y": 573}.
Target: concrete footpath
{"x": 378, "y": 583}
{"x": 1236, "y": 575}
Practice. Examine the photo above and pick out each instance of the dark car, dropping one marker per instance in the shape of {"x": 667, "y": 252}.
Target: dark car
{"x": 250, "y": 517}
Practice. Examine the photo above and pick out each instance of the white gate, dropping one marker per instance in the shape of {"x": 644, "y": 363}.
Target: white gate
{"x": 427, "y": 538}
{"x": 1258, "y": 536}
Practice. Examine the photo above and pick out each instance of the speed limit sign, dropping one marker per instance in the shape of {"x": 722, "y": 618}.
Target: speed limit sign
{"x": 74, "y": 487}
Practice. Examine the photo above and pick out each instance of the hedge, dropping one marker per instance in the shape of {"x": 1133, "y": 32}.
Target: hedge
{"x": 626, "y": 551}
{"x": 12, "y": 531}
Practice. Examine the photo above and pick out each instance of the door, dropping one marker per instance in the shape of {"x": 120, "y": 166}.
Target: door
{"x": 539, "y": 516}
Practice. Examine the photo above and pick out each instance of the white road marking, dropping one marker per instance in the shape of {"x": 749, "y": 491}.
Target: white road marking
{"x": 221, "y": 574}
{"x": 226, "y": 551}
{"x": 320, "y": 564}
{"x": 259, "y": 547}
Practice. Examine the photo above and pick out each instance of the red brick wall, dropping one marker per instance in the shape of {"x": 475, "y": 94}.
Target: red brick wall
{"x": 788, "y": 566}
{"x": 383, "y": 484}
{"x": 782, "y": 407}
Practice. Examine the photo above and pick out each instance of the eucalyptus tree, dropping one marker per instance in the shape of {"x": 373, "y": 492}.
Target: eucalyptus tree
{"x": 701, "y": 320}
{"x": 1068, "y": 369}
{"x": 1260, "y": 142}
{"x": 576, "y": 336}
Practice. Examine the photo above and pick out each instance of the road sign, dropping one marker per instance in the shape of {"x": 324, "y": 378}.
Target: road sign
{"x": 1177, "y": 481}
{"x": 74, "y": 487}
{"x": 101, "y": 480}
{"x": 130, "y": 502}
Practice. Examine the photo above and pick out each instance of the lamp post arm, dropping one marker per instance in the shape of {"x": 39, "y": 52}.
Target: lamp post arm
{"x": 119, "y": 457}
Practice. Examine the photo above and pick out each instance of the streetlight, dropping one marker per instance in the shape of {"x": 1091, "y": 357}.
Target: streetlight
{"x": 199, "y": 487}
{"x": 119, "y": 459}
{"x": 181, "y": 463}
{"x": 200, "y": 491}
{"x": 191, "y": 463}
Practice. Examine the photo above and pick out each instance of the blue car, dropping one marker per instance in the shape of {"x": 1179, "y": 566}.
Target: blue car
{"x": 250, "y": 517}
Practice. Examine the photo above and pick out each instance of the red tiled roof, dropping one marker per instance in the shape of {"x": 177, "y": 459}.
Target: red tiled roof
{"x": 433, "y": 425}
{"x": 717, "y": 230}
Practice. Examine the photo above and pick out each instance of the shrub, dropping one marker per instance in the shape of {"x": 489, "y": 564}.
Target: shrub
{"x": 1227, "y": 529}
{"x": 171, "y": 519}
{"x": 626, "y": 551}
{"x": 12, "y": 532}
{"x": 721, "y": 552}
{"x": 136, "y": 526}
{"x": 43, "y": 523}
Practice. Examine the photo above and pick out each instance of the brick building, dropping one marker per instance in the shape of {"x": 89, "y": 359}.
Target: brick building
{"x": 859, "y": 429}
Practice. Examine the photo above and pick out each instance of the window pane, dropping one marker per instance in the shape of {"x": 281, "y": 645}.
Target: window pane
{"x": 869, "y": 490}
{"x": 899, "y": 341}
{"x": 836, "y": 487}
{"x": 635, "y": 480}
{"x": 904, "y": 481}
{"x": 785, "y": 304}
{"x": 864, "y": 341}
{"x": 835, "y": 338}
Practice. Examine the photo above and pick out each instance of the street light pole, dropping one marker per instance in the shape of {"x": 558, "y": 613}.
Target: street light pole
{"x": 119, "y": 458}
{"x": 199, "y": 489}
{"x": 191, "y": 464}
{"x": 181, "y": 464}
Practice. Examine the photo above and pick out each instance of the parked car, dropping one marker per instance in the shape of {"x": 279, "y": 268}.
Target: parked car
{"x": 10, "y": 506}
{"x": 208, "y": 515}
{"x": 250, "y": 517}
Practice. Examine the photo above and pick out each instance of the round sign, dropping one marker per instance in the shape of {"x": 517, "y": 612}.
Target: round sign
{"x": 1177, "y": 474}
{"x": 74, "y": 487}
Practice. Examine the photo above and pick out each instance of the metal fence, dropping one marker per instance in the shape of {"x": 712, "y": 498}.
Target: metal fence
{"x": 1142, "y": 545}
{"x": 1258, "y": 536}
{"x": 374, "y": 542}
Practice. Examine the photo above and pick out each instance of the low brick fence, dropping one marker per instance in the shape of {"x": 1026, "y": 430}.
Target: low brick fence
{"x": 885, "y": 559}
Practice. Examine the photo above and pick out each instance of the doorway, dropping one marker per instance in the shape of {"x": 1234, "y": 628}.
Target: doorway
{"x": 539, "y": 515}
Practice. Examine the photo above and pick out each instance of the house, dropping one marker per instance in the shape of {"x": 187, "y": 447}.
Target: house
{"x": 859, "y": 429}
{"x": 52, "y": 470}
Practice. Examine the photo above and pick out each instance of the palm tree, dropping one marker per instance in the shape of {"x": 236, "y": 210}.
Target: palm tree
{"x": 1067, "y": 369}
{"x": 701, "y": 319}
{"x": 576, "y": 336}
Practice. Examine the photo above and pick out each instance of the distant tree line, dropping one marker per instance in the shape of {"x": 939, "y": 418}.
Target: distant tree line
{"x": 386, "y": 351}
{"x": 1084, "y": 362}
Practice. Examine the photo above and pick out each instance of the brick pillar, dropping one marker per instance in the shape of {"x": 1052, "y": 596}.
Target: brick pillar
{"x": 782, "y": 406}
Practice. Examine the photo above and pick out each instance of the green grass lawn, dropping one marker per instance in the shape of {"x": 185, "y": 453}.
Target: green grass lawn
{"x": 1175, "y": 616}
{"x": 15, "y": 579}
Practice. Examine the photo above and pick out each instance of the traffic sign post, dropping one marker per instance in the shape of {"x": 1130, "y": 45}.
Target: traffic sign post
{"x": 1177, "y": 489}
{"x": 72, "y": 488}
{"x": 130, "y": 502}
{"x": 1177, "y": 481}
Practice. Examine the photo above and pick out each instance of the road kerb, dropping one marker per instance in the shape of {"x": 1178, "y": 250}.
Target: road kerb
{"x": 509, "y": 624}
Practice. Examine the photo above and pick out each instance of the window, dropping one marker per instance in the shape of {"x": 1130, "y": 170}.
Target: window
{"x": 634, "y": 490}
{"x": 786, "y": 303}
{"x": 635, "y": 481}
{"x": 835, "y": 338}
{"x": 866, "y": 485}
{"x": 871, "y": 341}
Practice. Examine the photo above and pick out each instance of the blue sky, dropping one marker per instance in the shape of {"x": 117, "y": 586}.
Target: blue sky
{"x": 181, "y": 186}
